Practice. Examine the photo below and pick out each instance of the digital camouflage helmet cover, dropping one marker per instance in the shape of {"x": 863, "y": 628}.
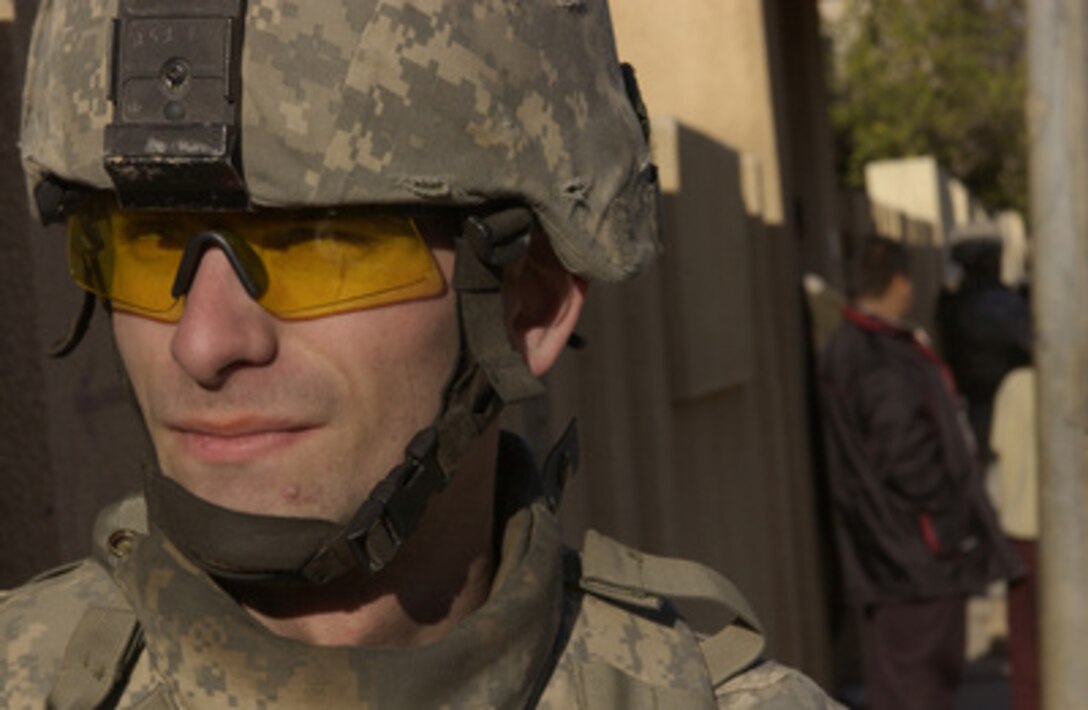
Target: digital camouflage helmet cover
{"x": 394, "y": 101}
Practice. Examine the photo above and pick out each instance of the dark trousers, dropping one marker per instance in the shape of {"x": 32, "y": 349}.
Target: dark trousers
{"x": 1024, "y": 632}
{"x": 914, "y": 653}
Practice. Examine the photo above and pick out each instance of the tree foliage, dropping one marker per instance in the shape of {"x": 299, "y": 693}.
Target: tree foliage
{"x": 935, "y": 77}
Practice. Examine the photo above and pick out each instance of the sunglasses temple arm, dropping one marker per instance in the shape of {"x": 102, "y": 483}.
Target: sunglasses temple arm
{"x": 78, "y": 329}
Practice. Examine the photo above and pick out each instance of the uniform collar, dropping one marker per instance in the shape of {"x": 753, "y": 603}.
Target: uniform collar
{"x": 209, "y": 652}
{"x": 867, "y": 320}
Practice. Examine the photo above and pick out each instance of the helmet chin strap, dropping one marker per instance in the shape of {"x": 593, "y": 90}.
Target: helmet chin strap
{"x": 490, "y": 373}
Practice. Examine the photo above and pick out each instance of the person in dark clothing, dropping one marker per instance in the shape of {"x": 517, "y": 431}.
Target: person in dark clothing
{"x": 914, "y": 531}
{"x": 985, "y": 331}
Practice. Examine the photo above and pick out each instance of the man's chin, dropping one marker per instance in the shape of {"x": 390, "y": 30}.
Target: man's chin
{"x": 258, "y": 493}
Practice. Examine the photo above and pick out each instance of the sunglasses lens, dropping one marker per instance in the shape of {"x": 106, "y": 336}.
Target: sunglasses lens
{"x": 319, "y": 266}
{"x": 317, "y": 263}
{"x": 135, "y": 274}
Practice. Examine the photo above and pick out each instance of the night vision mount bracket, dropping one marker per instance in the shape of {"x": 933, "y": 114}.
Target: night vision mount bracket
{"x": 175, "y": 83}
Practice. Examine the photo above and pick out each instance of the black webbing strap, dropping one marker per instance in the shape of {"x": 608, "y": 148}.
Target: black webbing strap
{"x": 395, "y": 506}
{"x": 229, "y": 543}
{"x": 388, "y": 515}
{"x": 492, "y": 374}
{"x": 489, "y": 244}
{"x": 76, "y": 331}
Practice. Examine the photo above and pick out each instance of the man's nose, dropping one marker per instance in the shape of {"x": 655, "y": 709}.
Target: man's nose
{"x": 221, "y": 326}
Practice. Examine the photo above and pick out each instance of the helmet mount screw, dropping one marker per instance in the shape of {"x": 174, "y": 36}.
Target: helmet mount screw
{"x": 174, "y": 111}
{"x": 175, "y": 74}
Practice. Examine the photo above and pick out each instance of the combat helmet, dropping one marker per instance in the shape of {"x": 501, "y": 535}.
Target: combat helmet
{"x": 517, "y": 112}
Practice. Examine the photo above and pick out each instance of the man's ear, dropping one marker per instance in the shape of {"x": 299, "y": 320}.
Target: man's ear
{"x": 542, "y": 304}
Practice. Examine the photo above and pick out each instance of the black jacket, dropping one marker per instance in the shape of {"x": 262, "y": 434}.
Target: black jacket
{"x": 911, "y": 519}
{"x": 986, "y": 333}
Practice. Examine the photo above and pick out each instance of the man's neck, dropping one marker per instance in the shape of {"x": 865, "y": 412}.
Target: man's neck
{"x": 441, "y": 575}
{"x": 883, "y": 308}
{"x": 357, "y": 611}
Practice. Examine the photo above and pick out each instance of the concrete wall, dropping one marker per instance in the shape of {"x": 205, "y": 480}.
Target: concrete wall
{"x": 706, "y": 63}
{"x": 748, "y": 74}
{"x": 922, "y": 190}
{"x": 916, "y": 187}
{"x": 1016, "y": 248}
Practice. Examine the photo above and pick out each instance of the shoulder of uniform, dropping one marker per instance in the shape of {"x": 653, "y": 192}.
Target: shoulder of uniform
{"x": 769, "y": 686}
{"x": 72, "y": 584}
{"x": 627, "y": 619}
{"x": 36, "y": 622}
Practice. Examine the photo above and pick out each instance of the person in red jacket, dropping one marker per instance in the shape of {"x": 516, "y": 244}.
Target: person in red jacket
{"x": 914, "y": 531}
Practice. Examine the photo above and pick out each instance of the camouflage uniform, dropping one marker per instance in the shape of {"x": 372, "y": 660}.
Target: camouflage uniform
{"x": 559, "y": 630}
{"x": 418, "y": 103}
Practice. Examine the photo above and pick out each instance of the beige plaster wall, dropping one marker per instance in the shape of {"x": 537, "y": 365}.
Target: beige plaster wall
{"x": 748, "y": 74}
{"x": 1016, "y": 253}
{"x": 706, "y": 63}
{"x": 913, "y": 186}
{"x": 966, "y": 209}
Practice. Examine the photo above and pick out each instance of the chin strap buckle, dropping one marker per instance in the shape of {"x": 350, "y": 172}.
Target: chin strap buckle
{"x": 395, "y": 506}
{"x": 500, "y": 238}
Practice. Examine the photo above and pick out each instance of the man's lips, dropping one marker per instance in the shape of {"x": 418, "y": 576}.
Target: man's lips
{"x": 238, "y": 440}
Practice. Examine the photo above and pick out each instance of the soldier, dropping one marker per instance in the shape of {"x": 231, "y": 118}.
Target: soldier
{"x": 335, "y": 238}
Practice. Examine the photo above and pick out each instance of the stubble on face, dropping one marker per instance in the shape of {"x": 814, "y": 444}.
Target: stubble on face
{"x": 309, "y": 433}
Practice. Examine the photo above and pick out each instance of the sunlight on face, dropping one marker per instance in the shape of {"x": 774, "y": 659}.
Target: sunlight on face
{"x": 296, "y": 418}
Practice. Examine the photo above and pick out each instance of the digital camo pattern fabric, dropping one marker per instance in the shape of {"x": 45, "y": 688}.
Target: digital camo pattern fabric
{"x": 208, "y": 653}
{"x": 203, "y": 651}
{"x": 36, "y": 625}
{"x": 397, "y": 101}
{"x": 616, "y": 657}
{"x": 539, "y": 640}
{"x": 66, "y": 103}
{"x": 772, "y": 686}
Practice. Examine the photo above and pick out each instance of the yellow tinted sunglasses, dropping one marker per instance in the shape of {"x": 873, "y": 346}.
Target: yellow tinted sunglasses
{"x": 296, "y": 264}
